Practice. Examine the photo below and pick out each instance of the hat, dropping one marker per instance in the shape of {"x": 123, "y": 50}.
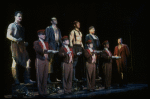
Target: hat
{"x": 41, "y": 32}
{"x": 105, "y": 42}
{"x": 64, "y": 38}
{"x": 89, "y": 41}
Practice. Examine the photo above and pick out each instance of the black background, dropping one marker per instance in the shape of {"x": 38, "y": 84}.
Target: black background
{"x": 110, "y": 19}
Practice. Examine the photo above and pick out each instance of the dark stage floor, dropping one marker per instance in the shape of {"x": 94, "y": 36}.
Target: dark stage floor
{"x": 130, "y": 90}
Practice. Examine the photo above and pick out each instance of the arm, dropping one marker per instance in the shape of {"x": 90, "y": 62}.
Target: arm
{"x": 38, "y": 48}
{"x": 86, "y": 54}
{"x": 71, "y": 37}
{"x": 81, "y": 41}
{"x": 47, "y": 34}
{"x": 86, "y": 38}
{"x": 127, "y": 50}
{"x": 62, "y": 53}
{"x": 9, "y": 33}
{"x": 115, "y": 54}
{"x": 105, "y": 56}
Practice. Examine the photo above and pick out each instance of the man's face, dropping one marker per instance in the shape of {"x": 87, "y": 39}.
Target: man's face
{"x": 77, "y": 25}
{"x": 119, "y": 41}
{"x": 66, "y": 42}
{"x": 41, "y": 36}
{"x": 90, "y": 45}
{"x": 92, "y": 31}
{"x": 18, "y": 18}
{"x": 107, "y": 45}
{"x": 54, "y": 21}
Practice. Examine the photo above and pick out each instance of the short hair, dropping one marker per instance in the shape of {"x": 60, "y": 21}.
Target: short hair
{"x": 53, "y": 18}
{"x": 75, "y": 22}
{"x": 18, "y": 12}
{"x": 91, "y": 27}
{"x": 120, "y": 38}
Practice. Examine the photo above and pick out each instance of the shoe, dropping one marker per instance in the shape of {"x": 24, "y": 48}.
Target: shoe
{"x": 58, "y": 80}
{"x": 75, "y": 79}
{"x": 29, "y": 81}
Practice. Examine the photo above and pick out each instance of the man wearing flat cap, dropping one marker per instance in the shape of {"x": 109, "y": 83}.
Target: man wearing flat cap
{"x": 90, "y": 56}
{"x": 107, "y": 65}
{"x": 41, "y": 62}
{"x": 67, "y": 55}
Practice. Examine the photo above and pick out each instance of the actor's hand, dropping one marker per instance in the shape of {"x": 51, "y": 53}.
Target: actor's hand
{"x": 79, "y": 53}
{"x": 69, "y": 52}
{"x": 19, "y": 39}
{"x": 46, "y": 56}
{"x": 54, "y": 52}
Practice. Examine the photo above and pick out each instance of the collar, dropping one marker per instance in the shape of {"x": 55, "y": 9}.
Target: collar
{"x": 106, "y": 49}
{"x": 91, "y": 50}
{"x": 67, "y": 47}
{"x": 41, "y": 40}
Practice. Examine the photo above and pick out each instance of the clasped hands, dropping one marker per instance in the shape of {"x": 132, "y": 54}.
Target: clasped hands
{"x": 79, "y": 53}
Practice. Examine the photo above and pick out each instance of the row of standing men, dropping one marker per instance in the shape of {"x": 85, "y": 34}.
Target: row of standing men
{"x": 50, "y": 42}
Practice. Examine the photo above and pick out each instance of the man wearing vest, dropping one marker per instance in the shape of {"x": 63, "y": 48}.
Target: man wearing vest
{"x": 107, "y": 65}
{"x": 16, "y": 34}
{"x": 90, "y": 56}
{"x": 67, "y": 64}
{"x": 41, "y": 62}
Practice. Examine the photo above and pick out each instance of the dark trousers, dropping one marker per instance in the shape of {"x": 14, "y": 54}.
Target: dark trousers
{"x": 41, "y": 74}
{"x": 122, "y": 73}
{"x": 91, "y": 74}
{"x": 107, "y": 74}
{"x": 67, "y": 76}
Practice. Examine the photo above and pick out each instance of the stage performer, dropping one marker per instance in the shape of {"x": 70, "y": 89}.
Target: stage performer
{"x": 107, "y": 65}
{"x": 93, "y": 37}
{"x": 123, "y": 51}
{"x": 90, "y": 56}
{"x": 53, "y": 37}
{"x": 96, "y": 46}
{"x": 41, "y": 62}
{"x": 75, "y": 38}
{"x": 67, "y": 64}
{"x": 16, "y": 34}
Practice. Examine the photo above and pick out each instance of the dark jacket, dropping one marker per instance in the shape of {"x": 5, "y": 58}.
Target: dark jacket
{"x": 50, "y": 37}
{"x": 96, "y": 43}
{"x": 38, "y": 47}
{"x": 124, "y": 53}
{"x": 88, "y": 55}
{"x": 105, "y": 57}
{"x": 63, "y": 53}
